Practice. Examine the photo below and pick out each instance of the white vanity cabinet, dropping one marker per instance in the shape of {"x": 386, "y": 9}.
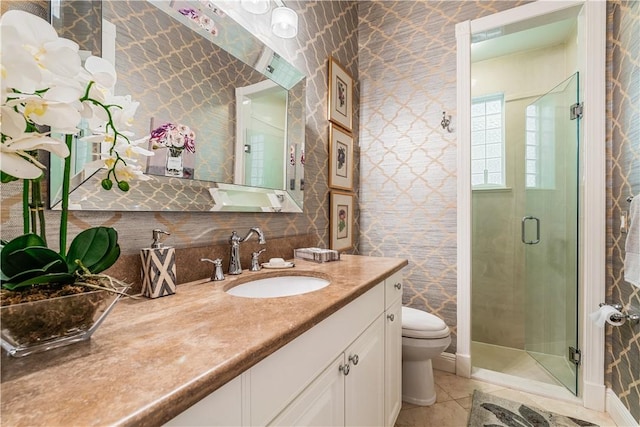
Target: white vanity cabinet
{"x": 393, "y": 348}
{"x": 346, "y": 370}
{"x": 349, "y": 392}
{"x": 364, "y": 385}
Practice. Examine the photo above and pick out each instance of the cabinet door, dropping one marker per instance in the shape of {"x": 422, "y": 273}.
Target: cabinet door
{"x": 393, "y": 363}
{"x": 320, "y": 404}
{"x": 277, "y": 380}
{"x": 393, "y": 289}
{"x": 223, "y": 407}
{"x": 364, "y": 385}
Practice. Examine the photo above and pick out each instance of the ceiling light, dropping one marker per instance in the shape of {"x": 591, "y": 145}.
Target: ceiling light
{"x": 257, "y": 7}
{"x": 284, "y": 22}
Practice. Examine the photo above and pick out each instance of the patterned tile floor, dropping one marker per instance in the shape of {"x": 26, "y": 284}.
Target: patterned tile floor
{"x": 454, "y": 403}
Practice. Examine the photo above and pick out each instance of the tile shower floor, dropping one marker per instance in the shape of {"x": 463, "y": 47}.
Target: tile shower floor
{"x": 512, "y": 361}
{"x": 454, "y": 403}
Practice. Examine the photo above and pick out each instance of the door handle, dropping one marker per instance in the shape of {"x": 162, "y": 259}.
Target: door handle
{"x": 524, "y": 221}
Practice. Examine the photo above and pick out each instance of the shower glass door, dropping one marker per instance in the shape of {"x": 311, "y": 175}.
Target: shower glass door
{"x": 550, "y": 231}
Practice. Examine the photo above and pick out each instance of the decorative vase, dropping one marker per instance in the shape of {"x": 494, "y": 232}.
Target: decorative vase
{"x": 174, "y": 165}
{"x": 37, "y": 326}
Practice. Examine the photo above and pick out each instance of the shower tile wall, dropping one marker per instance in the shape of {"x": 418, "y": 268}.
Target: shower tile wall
{"x": 407, "y": 60}
{"x": 326, "y": 28}
{"x": 623, "y": 168}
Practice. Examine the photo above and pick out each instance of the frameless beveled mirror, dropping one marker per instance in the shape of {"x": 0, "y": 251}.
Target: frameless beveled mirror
{"x": 190, "y": 64}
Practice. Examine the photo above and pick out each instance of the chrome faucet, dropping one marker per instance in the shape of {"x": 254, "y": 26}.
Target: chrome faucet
{"x": 235, "y": 240}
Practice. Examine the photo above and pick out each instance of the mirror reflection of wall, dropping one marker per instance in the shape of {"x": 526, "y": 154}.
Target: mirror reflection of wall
{"x": 182, "y": 79}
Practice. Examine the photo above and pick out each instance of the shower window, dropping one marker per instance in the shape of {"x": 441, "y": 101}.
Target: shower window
{"x": 487, "y": 141}
{"x": 540, "y": 151}
{"x": 256, "y": 161}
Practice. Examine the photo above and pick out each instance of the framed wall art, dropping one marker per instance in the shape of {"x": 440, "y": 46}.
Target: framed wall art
{"x": 340, "y": 96}
{"x": 341, "y": 220}
{"x": 340, "y": 159}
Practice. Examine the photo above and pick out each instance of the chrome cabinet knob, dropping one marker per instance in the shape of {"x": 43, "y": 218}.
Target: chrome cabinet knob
{"x": 354, "y": 359}
{"x": 391, "y": 317}
{"x": 398, "y": 286}
{"x": 344, "y": 369}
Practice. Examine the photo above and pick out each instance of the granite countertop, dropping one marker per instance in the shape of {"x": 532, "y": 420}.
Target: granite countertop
{"x": 152, "y": 359}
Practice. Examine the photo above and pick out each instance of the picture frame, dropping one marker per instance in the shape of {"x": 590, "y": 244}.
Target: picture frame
{"x": 341, "y": 220}
{"x": 340, "y": 96}
{"x": 340, "y": 159}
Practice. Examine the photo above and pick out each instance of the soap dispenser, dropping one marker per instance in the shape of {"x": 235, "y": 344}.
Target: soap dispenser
{"x": 158, "y": 268}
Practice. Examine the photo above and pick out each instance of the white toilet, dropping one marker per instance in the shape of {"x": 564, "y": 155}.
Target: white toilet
{"x": 424, "y": 336}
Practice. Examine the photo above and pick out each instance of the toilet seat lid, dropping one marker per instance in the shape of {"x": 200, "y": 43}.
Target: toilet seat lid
{"x": 420, "y": 324}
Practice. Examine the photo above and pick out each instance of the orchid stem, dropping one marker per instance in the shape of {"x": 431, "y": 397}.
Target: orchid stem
{"x": 64, "y": 217}
{"x": 26, "y": 221}
{"x": 39, "y": 206}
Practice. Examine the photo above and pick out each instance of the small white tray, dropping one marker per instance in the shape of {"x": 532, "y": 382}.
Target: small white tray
{"x": 285, "y": 265}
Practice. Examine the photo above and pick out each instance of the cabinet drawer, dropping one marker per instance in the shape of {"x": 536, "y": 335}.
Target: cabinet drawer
{"x": 279, "y": 378}
{"x": 393, "y": 288}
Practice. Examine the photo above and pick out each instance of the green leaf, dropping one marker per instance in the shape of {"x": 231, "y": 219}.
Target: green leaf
{"x": 21, "y": 254}
{"x": 55, "y": 266}
{"x": 107, "y": 261}
{"x": 7, "y": 178}
{"x": 91, "y": 247}
{"x": 41, "y": 279}
{"x": 114, "y": 249}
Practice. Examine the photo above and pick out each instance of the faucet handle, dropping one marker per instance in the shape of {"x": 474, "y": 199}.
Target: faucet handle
{"x": 217, "y": 274}
{"x": 255, "y": 260}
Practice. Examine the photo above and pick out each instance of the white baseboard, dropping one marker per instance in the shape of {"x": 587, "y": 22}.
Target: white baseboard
{"x": 594, "y": 396}
{"x": 445, "y": 362}
{"x": 463, "y": 365}
{"x": 618, "y": 412}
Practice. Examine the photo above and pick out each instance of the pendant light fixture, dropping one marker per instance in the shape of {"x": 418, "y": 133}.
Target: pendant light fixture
{"x": 257, "y": 7}
{"x": 284, "y": 22}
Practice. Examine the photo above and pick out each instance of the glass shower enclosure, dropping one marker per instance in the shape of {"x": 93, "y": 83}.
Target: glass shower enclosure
{"x": 549, "y": 230}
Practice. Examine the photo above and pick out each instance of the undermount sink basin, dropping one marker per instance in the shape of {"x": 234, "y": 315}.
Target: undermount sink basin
{"x": 280, "y": 286}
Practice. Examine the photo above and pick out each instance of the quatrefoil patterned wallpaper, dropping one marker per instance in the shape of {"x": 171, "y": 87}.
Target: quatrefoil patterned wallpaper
{"x": 623, "y": 175}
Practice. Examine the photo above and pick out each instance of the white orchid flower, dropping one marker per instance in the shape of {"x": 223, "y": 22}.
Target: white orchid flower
{"x": 102, "y": 71}
{"x": 128, "y": 172}
{"x": 61, "y": 116}
{"x": 15, "y": 159}
{"x": 55, "y": 57}
{"x": 22, "y": 72}
{"x": 103, "y": 76}
{"x": 130, "y": 152}
{"x": 12, "y": 123}
{"x": 43, "y": 83}
{"x": 123, "y": 116}
{"x": 133, "y": 150}
{"x": 125, "y": 172}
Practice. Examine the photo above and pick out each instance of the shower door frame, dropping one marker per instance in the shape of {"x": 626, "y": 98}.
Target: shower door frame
{"x": 592, "y": 189}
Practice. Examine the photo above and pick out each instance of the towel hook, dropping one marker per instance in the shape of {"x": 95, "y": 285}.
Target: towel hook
{"x": 446, "y": 122}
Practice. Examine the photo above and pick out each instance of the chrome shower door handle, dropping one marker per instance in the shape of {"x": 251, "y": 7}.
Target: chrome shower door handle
{"x": 524, "y": 221}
